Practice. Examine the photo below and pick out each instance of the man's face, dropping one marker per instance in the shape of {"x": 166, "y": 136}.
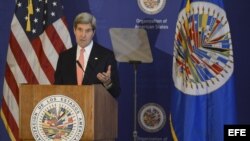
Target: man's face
{"x": 84, "y": 34}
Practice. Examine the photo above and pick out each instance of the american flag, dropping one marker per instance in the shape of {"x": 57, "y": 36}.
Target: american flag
{"x": 38, "y": 34}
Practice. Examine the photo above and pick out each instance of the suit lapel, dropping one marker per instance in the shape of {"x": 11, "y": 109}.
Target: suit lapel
{"x": 93, "y": 58}
{"x": 90, "y": 73}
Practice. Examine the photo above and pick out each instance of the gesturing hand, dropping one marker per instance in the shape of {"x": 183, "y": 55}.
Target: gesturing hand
{"x": 104, "y": 77}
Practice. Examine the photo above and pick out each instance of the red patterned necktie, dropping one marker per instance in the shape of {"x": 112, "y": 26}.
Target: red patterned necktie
{"x": 79, "y": 67}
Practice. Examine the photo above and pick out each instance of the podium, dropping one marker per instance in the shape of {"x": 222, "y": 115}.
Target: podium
{"x": 99, "y": 108}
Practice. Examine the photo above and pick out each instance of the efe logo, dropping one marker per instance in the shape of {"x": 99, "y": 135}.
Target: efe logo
{"x": 236, "y": 132}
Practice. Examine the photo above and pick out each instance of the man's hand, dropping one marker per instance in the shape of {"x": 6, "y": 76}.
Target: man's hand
{"x": 104, "y": 77}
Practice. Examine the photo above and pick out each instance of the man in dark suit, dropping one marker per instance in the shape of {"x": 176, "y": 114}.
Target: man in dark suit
{"x": 96, "y": 64}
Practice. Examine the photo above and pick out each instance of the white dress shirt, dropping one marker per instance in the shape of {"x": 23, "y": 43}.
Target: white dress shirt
{"x": 86, "y": 52}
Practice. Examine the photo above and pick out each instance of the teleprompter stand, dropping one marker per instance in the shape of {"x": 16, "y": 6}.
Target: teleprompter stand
{"x": 131, "y": 46}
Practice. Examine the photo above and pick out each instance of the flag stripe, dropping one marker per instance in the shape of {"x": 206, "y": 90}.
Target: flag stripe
{"x": 11, "y": 103}
{"x": 10, "y": 80}
{"x": 21, "y": 60}
{"x": 14, "y": 68}
{"x": 52, "y": 34}
{"x": 50, "y": 52}
{"x": 61, "y": 28}
{"x": 10, "y": 120}
{"x": 43, "y": 60}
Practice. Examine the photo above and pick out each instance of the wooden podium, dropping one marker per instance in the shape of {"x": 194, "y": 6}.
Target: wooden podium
{"x": 100, "y": 109}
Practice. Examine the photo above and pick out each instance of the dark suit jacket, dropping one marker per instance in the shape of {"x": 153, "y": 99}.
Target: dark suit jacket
{"x": 99, "y": 60}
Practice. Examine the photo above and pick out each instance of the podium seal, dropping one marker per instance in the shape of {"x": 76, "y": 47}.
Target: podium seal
{"x": 57, "y": 117}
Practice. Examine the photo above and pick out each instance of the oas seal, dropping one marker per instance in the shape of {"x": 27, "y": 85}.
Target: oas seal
{"x": 203, "y": 51}
{"x": 57, "y": 117}
{"x": 151, "y": 6}
{"x": 151, "y": 117}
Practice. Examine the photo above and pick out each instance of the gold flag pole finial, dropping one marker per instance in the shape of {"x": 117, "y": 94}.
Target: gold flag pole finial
{"x": 30, "y": 12}
{"x": 188, "y": 6}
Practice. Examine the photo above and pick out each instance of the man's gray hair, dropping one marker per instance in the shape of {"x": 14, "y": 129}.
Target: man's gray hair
{"x": 85, "y": 18}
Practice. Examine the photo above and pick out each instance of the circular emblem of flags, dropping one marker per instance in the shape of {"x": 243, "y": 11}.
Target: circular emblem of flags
{"x": 57, "y": 117}
{"x": 203, "y": 52}
{"x": 152, "y": 117}
{"x": 151, "y": 6}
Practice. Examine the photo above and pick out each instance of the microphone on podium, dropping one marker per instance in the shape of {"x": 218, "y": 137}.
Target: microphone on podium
{"x": 79, "y": 64}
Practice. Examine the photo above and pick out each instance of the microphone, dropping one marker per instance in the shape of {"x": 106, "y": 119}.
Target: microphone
{"x": 79, "y": 64}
